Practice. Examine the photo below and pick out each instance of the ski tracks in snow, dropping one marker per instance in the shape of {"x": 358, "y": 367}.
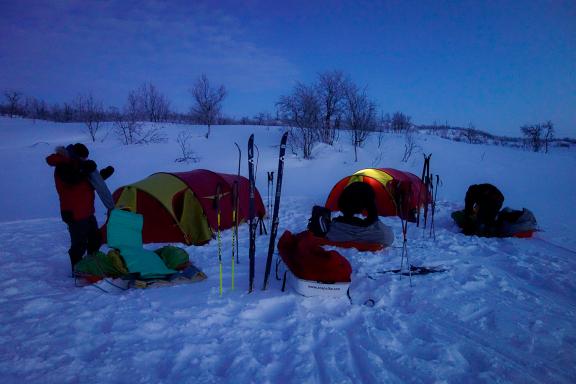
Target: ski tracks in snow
{"x": 504, "y": 311}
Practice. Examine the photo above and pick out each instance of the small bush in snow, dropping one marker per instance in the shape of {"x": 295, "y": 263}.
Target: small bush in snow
{"x": 133, "y": 132}
{"x": 184, "y": 143}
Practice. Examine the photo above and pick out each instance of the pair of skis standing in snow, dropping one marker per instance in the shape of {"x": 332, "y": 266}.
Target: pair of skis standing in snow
{"x": 253, "y": 223}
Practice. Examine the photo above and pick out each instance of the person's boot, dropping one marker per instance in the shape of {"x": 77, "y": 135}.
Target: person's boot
{"x": 74, "y": 259}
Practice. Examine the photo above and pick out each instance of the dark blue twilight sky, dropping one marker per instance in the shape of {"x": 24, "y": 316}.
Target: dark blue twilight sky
{"x": 495, "y": 64}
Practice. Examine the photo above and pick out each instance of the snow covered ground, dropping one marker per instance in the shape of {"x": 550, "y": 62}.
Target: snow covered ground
{"x": 504, "y": 311}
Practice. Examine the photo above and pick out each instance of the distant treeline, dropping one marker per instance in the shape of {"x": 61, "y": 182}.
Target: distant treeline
{"x": 315, "y": 112}
{"x": 145, "y": 104}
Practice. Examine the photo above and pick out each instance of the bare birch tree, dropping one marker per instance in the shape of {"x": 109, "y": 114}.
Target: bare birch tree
{"x": 400, "y": 122}
{"x": 13, "y": 99}
{"x": 148, "y": 104}
{"x": 207, "y": 102}
{"x": 302, "y": 111}
{"x": 360, "y": 116}
{"x": 533, "y": 136}
{"x": 331, "y": 89}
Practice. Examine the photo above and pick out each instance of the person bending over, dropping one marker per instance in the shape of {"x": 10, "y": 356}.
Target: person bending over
{"x": 482, "y": 204}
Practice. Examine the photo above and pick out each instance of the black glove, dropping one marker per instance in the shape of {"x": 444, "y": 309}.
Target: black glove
{"x": 88, "y": 166}
{"x": 107, "y": 172}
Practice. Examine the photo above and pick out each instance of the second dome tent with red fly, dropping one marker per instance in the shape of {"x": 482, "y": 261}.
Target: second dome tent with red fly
{"x": 398, "y": 193}
{"x": 181, "y": 206}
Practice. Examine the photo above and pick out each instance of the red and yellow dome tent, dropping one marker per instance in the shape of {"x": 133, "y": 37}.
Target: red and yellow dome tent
{"x": 398, "y": 193}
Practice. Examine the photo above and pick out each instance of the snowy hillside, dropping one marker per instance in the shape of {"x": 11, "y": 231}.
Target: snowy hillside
{"x": 505, "y": 311}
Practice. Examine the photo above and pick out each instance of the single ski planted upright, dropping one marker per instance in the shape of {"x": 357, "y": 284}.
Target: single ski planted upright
{"x": 236, "y": 204}
{"x": 251, "y": 212}
{"x": 235, "y": 227}
{"x": 217, "y": 198}
{"x": 275, "y": 219}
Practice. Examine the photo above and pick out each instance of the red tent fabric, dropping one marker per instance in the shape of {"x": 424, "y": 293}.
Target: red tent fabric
{"x": 203, "y": 183}
{"x": 398, "y": 193}
{"x": 180, "y": 206}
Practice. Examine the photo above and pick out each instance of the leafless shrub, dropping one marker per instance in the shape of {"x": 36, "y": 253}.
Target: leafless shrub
{"x": 91, "y": 112}
{"x": 409, "y": 145}
{"x": 133, "y": 132}
{"x": 471, "y": 134}
{"x": 384, "y": 126}
{"x": 184, "y": 144}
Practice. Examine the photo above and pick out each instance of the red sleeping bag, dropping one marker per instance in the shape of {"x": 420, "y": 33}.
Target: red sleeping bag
{"x": 306, "y": 259}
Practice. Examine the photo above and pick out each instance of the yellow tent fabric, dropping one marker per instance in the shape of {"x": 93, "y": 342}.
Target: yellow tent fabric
{"x": 163, "y": 187}
{"x": 128, "y": 199}
{"x": 193, "y": 222}
{"x": 376, "y": 174}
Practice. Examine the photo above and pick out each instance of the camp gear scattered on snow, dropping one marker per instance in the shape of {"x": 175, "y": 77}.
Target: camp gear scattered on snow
{"x": 375, "y": 233}
{"x": 414, "y": 270}
{"x": 178, "y": 207}
{"x": 102, "y": 265}
{"x": 509, "y": 223}
{"x": 517, "y": 223}
{"x": 125, "y": 234}
{"x": 359, "y": 246}
{"x": 135, "y": 266}
{"x": 190, "y": 274}
{"x": 391, "y": 187}
{"x": 174, "y": 257}
{"x": 313, "y": 271}
{"x": 319, "y": 222}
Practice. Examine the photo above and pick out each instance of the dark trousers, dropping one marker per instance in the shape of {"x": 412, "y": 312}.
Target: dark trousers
{"x": 84, "y": 237}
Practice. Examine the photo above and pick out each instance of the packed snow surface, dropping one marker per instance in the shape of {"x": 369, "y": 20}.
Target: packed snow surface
{"x": 504, "y": 311}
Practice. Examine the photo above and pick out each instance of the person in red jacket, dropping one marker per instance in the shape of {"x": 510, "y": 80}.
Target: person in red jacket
{"x": 72, "y": 171}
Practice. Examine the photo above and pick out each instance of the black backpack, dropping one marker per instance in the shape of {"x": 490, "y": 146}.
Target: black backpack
{"x": 319, "y": 223}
